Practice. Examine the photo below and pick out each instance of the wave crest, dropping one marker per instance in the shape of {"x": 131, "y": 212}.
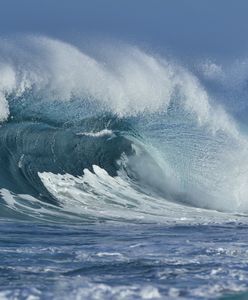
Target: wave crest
{"x": 66, "y": 112}
{"x": 130, "y": 83}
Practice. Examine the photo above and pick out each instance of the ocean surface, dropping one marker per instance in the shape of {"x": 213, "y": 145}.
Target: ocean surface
{"x": 123, "y": 174}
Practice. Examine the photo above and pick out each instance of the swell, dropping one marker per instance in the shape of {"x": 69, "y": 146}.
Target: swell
{"x": 123, "y": 129}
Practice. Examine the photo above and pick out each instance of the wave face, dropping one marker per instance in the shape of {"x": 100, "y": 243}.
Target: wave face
{"x": 120, "y": 134}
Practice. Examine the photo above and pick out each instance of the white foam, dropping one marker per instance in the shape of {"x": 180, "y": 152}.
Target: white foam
{"x": 102, "y": 196}
{"x": 7, "y": 84}
{"x": 101, "y": 133}
{"x": 129, "y": 83}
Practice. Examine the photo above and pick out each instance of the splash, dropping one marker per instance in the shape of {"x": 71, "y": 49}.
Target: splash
{"x": 121, "y": 129}
{"x": 132, "y": 83}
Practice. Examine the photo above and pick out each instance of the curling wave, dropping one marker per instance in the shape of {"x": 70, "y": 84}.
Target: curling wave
{"x": 122, "y": 135}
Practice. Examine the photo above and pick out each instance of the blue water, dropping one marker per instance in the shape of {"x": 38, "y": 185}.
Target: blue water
{"x": 123, "y": 174}
{"x": 122, "y": 261}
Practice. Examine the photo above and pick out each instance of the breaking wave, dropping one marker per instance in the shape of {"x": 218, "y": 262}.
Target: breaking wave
{"x": 119, "y": 135}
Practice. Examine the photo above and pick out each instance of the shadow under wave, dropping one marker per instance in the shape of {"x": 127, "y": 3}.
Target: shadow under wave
{"x": 29, "y": 147}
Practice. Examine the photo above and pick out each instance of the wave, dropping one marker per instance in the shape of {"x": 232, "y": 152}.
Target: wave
{"x": 120, "y": 135}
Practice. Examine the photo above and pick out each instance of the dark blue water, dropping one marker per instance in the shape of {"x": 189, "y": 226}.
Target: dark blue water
{"x": 122, "y": 261}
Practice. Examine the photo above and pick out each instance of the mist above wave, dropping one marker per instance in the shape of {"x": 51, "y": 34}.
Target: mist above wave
{"x": 127, "y": 83}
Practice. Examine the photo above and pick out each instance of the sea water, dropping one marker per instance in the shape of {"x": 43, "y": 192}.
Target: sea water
{"x": 123, "y": 175}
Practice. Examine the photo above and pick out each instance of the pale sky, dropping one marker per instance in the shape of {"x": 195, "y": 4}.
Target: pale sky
{"x": 185, "y": 27}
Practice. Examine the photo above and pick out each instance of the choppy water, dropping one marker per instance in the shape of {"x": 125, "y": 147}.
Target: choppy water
{"x": 122, "y": 261}
{"x": 123, "y": 175}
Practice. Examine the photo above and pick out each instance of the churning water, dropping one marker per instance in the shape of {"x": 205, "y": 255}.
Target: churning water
{"x": 123, "y": 175}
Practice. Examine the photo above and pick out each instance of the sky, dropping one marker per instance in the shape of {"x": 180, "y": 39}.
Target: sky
{"x": 216, "y": 28}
